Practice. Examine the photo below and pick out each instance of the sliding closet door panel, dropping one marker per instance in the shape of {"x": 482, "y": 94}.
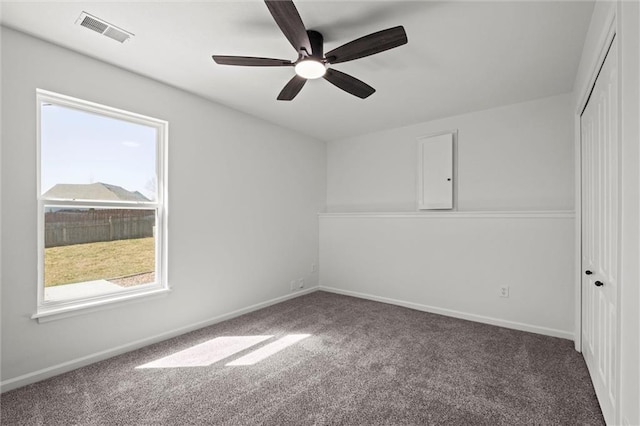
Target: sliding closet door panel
{"x": 600, "y": 233}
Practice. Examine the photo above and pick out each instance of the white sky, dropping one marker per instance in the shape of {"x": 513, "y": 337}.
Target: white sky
{"x": 80, "y": 147}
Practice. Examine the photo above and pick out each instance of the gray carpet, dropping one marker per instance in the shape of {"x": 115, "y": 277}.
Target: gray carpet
{"x": 364, "y": 363}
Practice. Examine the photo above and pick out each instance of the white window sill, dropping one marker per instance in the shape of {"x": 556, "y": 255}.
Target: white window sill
{"x": 52, "y": 313}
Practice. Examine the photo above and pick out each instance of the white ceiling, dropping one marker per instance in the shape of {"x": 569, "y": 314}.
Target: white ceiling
{"x": 461, "y": 56}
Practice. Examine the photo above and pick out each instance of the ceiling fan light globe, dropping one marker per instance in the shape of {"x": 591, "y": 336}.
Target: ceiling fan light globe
{"x": 310, "y": 69}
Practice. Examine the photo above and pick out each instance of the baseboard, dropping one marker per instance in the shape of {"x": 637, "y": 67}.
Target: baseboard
{"x": 456, "y": 314}
{"x": 45, "y": 373}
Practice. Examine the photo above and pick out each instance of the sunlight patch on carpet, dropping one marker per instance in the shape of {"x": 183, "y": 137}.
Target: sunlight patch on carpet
{"x": 268, "y": 350}
{"x": 205, "y": 354}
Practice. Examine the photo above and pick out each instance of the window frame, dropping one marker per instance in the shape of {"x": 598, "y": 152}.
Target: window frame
{"x": 49, "y": 310}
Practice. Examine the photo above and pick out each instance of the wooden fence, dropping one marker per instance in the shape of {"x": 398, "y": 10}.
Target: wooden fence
{"x": 89, "y": 226}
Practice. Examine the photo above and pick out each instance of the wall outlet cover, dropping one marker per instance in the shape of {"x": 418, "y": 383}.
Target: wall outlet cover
{"x": 504, "y": 291}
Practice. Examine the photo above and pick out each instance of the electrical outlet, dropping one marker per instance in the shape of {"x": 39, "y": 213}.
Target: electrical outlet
{"x": 293, "y": 285}
{"x": 314, "y": 267}
{"x": 301, "y": 283}
{"x": 504, "y": 291}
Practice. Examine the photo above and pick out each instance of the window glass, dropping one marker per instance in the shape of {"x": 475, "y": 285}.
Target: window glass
{"x": 92, "y": 251}
{"x": 83, "y": 148}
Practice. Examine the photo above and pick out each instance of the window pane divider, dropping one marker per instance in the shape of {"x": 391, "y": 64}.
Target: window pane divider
{"x": 57, "y": 202}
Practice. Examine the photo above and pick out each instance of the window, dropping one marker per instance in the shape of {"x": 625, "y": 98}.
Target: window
{"x": 101, "y": 205}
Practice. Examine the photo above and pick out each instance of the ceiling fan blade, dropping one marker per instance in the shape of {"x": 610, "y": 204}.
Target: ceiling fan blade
{"x": 292, "y": 88}
{"x": 249, "y": 61}
{"x": 368, "y": 45}
{"x": 286, "y": 15}
{"x": 349, "y": 84}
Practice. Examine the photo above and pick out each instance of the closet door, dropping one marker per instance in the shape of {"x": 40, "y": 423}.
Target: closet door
{"x": 600, "y": 234}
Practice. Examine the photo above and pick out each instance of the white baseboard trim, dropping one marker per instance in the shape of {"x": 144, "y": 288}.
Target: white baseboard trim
{"x": 54, "y": 370}
{"x": 456, "y": 314}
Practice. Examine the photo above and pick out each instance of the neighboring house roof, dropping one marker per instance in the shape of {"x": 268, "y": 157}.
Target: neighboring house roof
{"x": 93, "y": 191}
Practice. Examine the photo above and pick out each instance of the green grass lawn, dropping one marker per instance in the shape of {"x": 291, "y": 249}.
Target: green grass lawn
{"x": 94, "y": 261}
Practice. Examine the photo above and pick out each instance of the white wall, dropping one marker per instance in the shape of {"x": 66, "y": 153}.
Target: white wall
{"x": 244, "y": 197}
{"x": 630, "y": 274}
{"x": 627, "y": 24}
{"x": 517, "y": 157}
{"x": 455, "y": 264}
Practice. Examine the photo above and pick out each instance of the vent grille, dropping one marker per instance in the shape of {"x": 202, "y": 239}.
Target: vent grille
{"x": 94, "y": 24}
{"x": 116, "y": 34}
{"x": 100, "y": 26}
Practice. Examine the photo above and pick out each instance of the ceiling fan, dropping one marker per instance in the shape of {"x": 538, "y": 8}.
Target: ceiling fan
{"x": 312, "y": 62}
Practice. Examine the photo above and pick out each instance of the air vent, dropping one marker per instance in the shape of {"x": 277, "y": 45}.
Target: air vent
{"x": 100, "y": 26}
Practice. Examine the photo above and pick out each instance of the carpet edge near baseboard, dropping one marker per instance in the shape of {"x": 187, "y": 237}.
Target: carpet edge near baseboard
{"x": 54, "y": 370}
{"x": 563, "y": 334}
